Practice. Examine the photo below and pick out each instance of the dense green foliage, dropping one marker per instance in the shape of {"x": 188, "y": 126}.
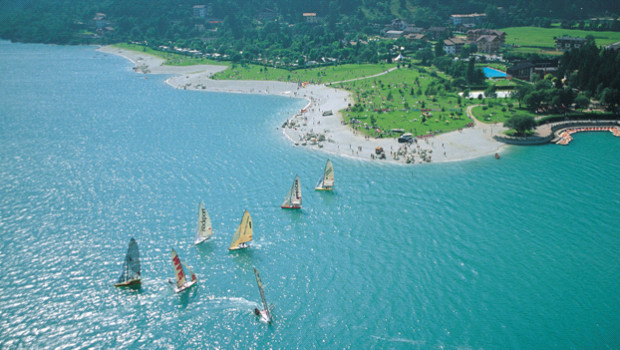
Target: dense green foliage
{"x": 521, "y": 123}
{"x": 275, "y": 29}
{"x": 594, "y": 71}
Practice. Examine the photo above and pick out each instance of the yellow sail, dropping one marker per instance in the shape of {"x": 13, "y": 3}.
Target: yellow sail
{"x": 329, "y": 174}
{"x": 243, "y": 234}
{"x": 326, "y": 182}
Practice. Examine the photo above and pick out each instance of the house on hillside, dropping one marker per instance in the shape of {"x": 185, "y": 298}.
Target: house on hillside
{"x": 310, "y": 17}
{"x": 489, "y": 44}
{"x": 199, "y": 11}
{"x": 453, "y": 46}
{"x": 437, "y": 33}
{"x": 614, "y": 47}
{"x": 398, "y": 25}
{"x": 474, "y": 34}
{"x": 394, "y": 34}
{"x": 100, "y": 21}
{"x": 267, "y": 14}
{"x": 521, "y": 70}
{"x": 567, "y": 43}
{"x": 524, "y": 70}
{"x": 468, "y": 20}
{"x": 488, "y": 41}
{"x": 415, "y": 37}
{"x": 412, "y": 29}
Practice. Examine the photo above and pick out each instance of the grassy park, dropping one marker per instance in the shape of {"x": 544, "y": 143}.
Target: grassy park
{"x": 416, "y": 100}
{"x": 541, "y": 40}
{"x": 316, "y": 75}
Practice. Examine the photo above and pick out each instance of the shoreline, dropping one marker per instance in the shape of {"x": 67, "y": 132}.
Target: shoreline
{"x": 311, "y": 129}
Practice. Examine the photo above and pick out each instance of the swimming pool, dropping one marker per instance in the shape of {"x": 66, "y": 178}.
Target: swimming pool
{"x": 493, "y": 73}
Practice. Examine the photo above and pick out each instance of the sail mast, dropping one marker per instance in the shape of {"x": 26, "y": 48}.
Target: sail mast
{"x": 262, "y": 293}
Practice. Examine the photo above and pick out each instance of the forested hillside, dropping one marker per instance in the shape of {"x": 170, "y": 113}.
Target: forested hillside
{"x": 73, "y": 21}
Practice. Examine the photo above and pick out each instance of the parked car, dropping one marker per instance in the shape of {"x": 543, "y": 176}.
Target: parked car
{"x": 406, "y": 137}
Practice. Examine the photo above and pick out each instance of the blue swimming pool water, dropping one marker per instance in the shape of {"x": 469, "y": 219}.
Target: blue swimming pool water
{"x": 493, "y": 73}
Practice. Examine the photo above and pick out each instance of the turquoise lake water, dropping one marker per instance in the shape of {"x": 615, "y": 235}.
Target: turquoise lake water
{"x": 517, "y": 253}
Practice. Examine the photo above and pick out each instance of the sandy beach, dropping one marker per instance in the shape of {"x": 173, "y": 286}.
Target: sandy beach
{"x": 319, "y": 125}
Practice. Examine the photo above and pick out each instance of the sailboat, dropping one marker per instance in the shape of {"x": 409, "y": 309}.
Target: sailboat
{"x": 181, "y": 283}
{"x": 293, "y": 197}
{"x": 130, "y": 275}
{"x": 204, "y": 231}
{"x": 326, "y": 182}
{"x": 244, "y": 233}
{"x": 264, "y": 314}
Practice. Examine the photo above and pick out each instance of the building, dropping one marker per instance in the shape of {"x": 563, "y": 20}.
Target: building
{"x": 267, "y": 15}
{"x": 524, "y": 70}
{"x": 453, "y": 46}
{"x": 521, "y": 70}
{"x": 310, "y": 17}
{"x": 100, "y": 21}
{"x": 567, "y": 43}
{"x": 614, "y": 47}
{"x": 437, "y": 33}
{"x": 474, "y": 34}
{"x": 471, "y": 19}
{"x": 394, "y": 34}
{"x": 489, "y": 44}
{"x": 200, "y": 11}
{"x": 415, "y": 37}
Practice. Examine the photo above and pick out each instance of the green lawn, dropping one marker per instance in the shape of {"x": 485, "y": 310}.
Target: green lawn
{"x": 542, "y": 38}
{"x": 386, "y": 103}
{"x": 318, "y": 75}
{"x": 498, "y": 110}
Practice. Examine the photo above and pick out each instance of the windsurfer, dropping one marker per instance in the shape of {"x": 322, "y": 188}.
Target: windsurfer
{"x": 256, "y": 311}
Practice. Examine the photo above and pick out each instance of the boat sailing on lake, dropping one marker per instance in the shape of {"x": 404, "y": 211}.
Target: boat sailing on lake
{"x": 264, "y": 314}
{"x": 244, "y": 233}
{"x": 204, "y": 225}
{"x": 293, "y": 197}
{"x": 326, "y": 182}
{"x": 181, "y": 282}
{"x": 130, "y": 275}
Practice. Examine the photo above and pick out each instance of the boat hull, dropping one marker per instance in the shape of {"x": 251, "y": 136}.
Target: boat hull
{"x": 187, "y": 285}
{"x": 198, "y": 241}
{"x": 293, "y": 206}
{"x": 130, "y": 283}
{"x": 264, "y": 316}
{"x": 323, "y": 188}
{"x": 240, "y": 246}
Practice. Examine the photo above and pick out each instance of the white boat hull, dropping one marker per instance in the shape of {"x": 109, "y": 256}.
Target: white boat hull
{"x": 264, "y": 316}
{"x": 185, "y": 286}
{"x": 200, "y": 240}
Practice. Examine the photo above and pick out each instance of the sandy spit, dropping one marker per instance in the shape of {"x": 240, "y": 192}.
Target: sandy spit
{"x": 314, "y": 127}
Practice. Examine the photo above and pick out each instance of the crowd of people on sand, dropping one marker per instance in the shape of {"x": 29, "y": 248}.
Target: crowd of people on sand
{"x": 566, "y": 138}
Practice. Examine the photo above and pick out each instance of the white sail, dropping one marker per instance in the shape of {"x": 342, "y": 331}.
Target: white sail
{"x": 326, "y": 182}
{"x": 204, "y": 230}
{"x": 265, "y": 312}
{"x": 243, "y": 233}
{"x": 130, "y": 274}
{"x": 293, "y": 197}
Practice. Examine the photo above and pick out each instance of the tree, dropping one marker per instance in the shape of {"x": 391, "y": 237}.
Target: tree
{"x": 582, "y": 102}
{"x": 521, "y": 92}
{"x": 610, "y": 98}
{"x": 521, "y": 123}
